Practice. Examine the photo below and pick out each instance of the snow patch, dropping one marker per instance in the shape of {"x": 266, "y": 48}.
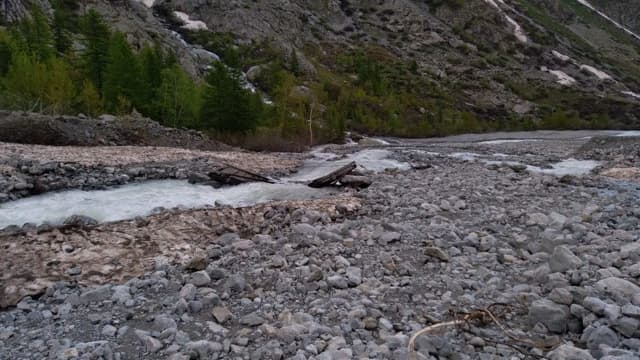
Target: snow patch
{"x": 517, "y": 31}
{"x": 148, "y": 3}
{"x": 618, "y": 25}
{"x": 560, "y": 56}
{"x": 601, "y": 75}
{"x": 632, "y": 94}
{"x": 130, "y": 201}
{"x": 188, "y": 23}
{"x": 562, "y": 77}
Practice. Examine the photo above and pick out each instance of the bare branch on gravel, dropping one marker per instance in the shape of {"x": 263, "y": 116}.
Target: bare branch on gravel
{"x": 482, "y": 317}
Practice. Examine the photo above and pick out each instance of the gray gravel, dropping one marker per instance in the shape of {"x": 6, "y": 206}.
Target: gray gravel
{"x": 428, "y": 244}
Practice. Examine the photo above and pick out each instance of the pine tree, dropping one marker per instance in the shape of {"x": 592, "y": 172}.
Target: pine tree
{"x": 121, "y": 75}
{"x": 151, "y": 67}
{"x": 96, "y": 42}
{"x": 226, "y": 105}
{"x": 6, "y": 50}
{"x": 35, "y": 35}
{"x": 61, "y": 35}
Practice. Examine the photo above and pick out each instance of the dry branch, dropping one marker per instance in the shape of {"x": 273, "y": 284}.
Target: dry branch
{"x": 480, "y": 317}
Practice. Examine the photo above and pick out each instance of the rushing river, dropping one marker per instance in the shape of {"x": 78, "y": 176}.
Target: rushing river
{"x": 140, "y": 199}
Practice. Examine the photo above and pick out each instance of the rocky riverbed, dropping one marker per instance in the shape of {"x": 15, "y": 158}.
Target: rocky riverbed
{"x": 529, "y": 243}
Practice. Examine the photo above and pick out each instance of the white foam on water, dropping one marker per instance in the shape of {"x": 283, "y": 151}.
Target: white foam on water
{"x": 567, "y": 167}
{"x": 421, "y": 152}
{"x": 132, "y": 200}
{"x": 465, "y": 156}
{"x": 376, "y": 160}
{"x": 628, "y": 133}
{"x": 323, "y": 163}
{"x": 505, "y": 141}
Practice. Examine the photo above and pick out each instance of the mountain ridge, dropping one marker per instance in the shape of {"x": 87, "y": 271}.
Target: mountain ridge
{"x": 502, "y": 60}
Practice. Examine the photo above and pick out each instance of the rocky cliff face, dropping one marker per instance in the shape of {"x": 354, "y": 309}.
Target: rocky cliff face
{"x": 14, "y": 10}
{"x": 626, "y": 12}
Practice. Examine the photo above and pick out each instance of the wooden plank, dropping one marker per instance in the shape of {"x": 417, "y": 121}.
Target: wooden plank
{"x": 231, "y": 175}
{"x": 333, "y": 177}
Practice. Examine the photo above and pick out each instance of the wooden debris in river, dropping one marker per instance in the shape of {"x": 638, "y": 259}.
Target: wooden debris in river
{"x": 342, "y": 177}
{"x": 231, "y": 175}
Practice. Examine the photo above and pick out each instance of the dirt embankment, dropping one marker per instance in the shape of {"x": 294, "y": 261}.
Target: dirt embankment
{"x": 41, "y": 153}
{"x": 33, "y": 128}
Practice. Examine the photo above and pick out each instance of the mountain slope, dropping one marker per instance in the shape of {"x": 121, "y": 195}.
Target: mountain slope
{"x": 510, "y": 63}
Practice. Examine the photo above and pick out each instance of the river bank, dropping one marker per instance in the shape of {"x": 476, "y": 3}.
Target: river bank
{"x": 451, "y": 228}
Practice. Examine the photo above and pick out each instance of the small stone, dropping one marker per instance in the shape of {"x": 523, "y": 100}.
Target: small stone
{"x": 203, "y": 348}
{"x": 627, "y": 326}
{"x": 197, "y": 263}
{"x": 163, "y": 322}
{"x": 563, "y": 259}
{"x": 96, "y": 295}
{"x": 243, "y": 245}
{"x": 252, "y": 319}
{"x": 477, "y": 341}
{"x": 121, "y": 294}
{"x": 200, "y": 278}
{"x": 569, "y": 352}
{"x": 80, "y": 221}
{"x": 215, "y": 328}
{"x": 338, "y": 282}
{"x": 594, "y": 305}
{"x": 109, "y": 330}
{"x": 437, "y": 253}
{"x": 151, "y": 344}
{"x": 67, "y": 354}
{"x": 553, "y": 316}
{"x": 370, "y": 323}
{"x": 622, "y": 290}
{"x": 221, "y": 314}
{"x": 561, "y": 296}
{"x": 188, "y": 292}
{"x": 631, "y": 310}
{"x": 389, "y": 237}
{"x": 354, "y": 276}
{"x": 602, "y": 335}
